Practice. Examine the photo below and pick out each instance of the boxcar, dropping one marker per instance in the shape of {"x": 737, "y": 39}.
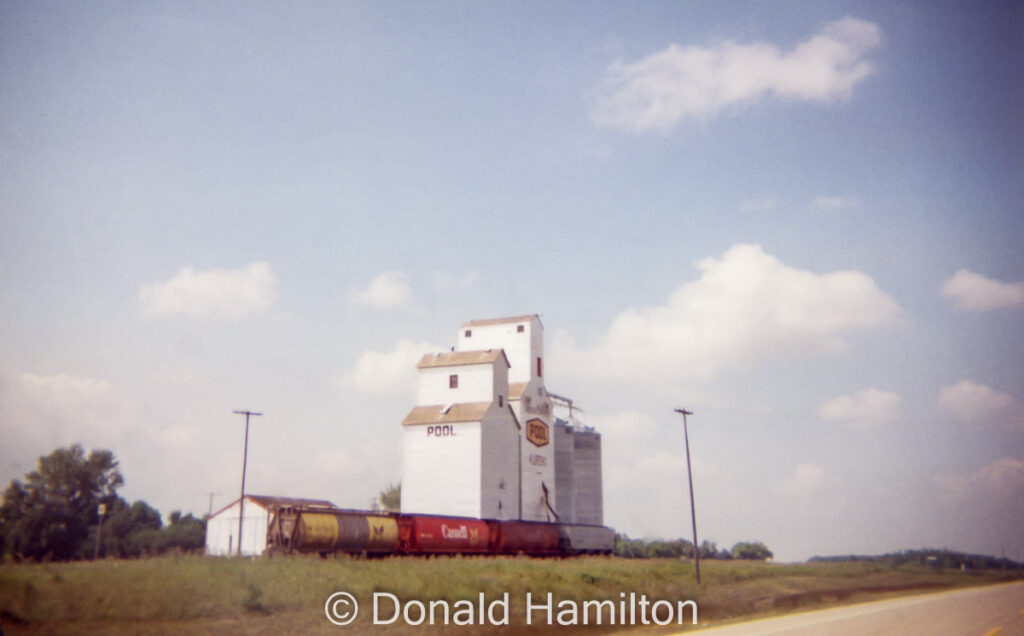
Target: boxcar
{"x": 524, "y": 537}
{"x": 420, "y": 534}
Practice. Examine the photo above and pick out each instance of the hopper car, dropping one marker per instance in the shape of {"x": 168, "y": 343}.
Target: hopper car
{"x": 324, "y": 531}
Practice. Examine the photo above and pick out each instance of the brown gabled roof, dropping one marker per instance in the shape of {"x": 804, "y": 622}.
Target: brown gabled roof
{"x": 268, "y": 502}
{"x": 469, "y": 412}
{"x": 515, "y": 390}
{"x": 500, "y": 321}
{"x": 460, "y": 358}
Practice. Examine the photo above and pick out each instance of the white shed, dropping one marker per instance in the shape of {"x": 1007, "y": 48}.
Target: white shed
{"x": 222, "y": 526}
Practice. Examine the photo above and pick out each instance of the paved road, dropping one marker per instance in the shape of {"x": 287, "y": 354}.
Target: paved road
{"x": 980, "y": 611}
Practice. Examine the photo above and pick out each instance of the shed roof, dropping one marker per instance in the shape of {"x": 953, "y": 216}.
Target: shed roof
{"x": 501, "y": 321}
{"x": 468, "y": 412}
{"x": 267, "y": 502}
{"x": 460, "y": 358}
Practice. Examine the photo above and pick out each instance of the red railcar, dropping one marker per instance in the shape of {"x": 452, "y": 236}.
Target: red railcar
{"x": 524, "y": 537}
{"x": 419, "y": 534}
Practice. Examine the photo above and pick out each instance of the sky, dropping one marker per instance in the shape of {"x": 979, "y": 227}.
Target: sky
{"x": 800, "y": 221}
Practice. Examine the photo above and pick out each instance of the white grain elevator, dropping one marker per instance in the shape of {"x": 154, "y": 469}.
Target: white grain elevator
{"x": 482, "y": 440}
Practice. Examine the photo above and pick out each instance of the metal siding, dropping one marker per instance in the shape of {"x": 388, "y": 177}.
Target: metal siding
{"x": 521, "y": 349}
{"x": 254, "y": 532}
{"x": 499, "y": 477}
{"x": 475, "y": 384}
{"x": 441, "y": 475}
{"x": 564, "y": 472}
{"x": 222, "y": 531}
{"x": 537, "y": 463}
{"x": 218, "y": 533}
{"x": 588, "y": 504}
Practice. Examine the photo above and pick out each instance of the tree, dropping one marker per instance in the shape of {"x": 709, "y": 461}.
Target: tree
{"x": 709, "y": 551}
{"x": 657, "y": 548}
{"x": 185, "y": 533}
{"x": 13, "y": 507}
{"x": 137, "y": 531}
{"x": 629, "y": 548}
{"x": 674, "y": 549}
{"x": 390, "y": 499}
{"x": 49, "y": 516}
{"x": 131, "y": 531}
{"x": 751, "y": 550}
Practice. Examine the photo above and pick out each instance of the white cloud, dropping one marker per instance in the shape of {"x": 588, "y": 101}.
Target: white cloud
{"x": 225, "y": 293}
{"x": 63, "y": 408}
{"x": 974, "y": 403}
{"x": 657, "y": 92}
{"x": 41, "y": 412}
{"x": 974, "y": 292}
{"x": 388, "y": 372}
{"x": 388, "y": 290}
{"x": 747, "y": 306}
{"x": 835, "y": 203}
{"x": 805, "y": 480}
{"x": 870, "y": 407}
{"x": 1003, "y": 479}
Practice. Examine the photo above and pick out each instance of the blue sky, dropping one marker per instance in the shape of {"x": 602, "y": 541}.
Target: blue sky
{"x": 799, "y": 220}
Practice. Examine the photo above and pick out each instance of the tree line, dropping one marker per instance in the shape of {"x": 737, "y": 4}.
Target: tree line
{"x": 945, "y": 559}
{"x": 681, "y": 548}
{"x": 55, "y": 513}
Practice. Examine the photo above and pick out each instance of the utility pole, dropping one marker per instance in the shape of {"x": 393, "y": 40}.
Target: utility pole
{"x": 245, "y": 458}
{"x": 693, "y": 508}
{"x": 210, "y": 513}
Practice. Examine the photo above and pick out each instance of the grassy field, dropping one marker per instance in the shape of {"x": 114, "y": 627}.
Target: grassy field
{"x": 204, "y": 595}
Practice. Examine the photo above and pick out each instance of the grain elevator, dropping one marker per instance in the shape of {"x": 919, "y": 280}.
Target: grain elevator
{"x": 483, "y": 440}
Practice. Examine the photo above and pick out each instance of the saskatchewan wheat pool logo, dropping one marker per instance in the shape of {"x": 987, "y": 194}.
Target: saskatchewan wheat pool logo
{"x": 537, "y": 432}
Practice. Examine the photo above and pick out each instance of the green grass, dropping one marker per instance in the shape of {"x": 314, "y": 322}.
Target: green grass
{"x": 206, "y": 595}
